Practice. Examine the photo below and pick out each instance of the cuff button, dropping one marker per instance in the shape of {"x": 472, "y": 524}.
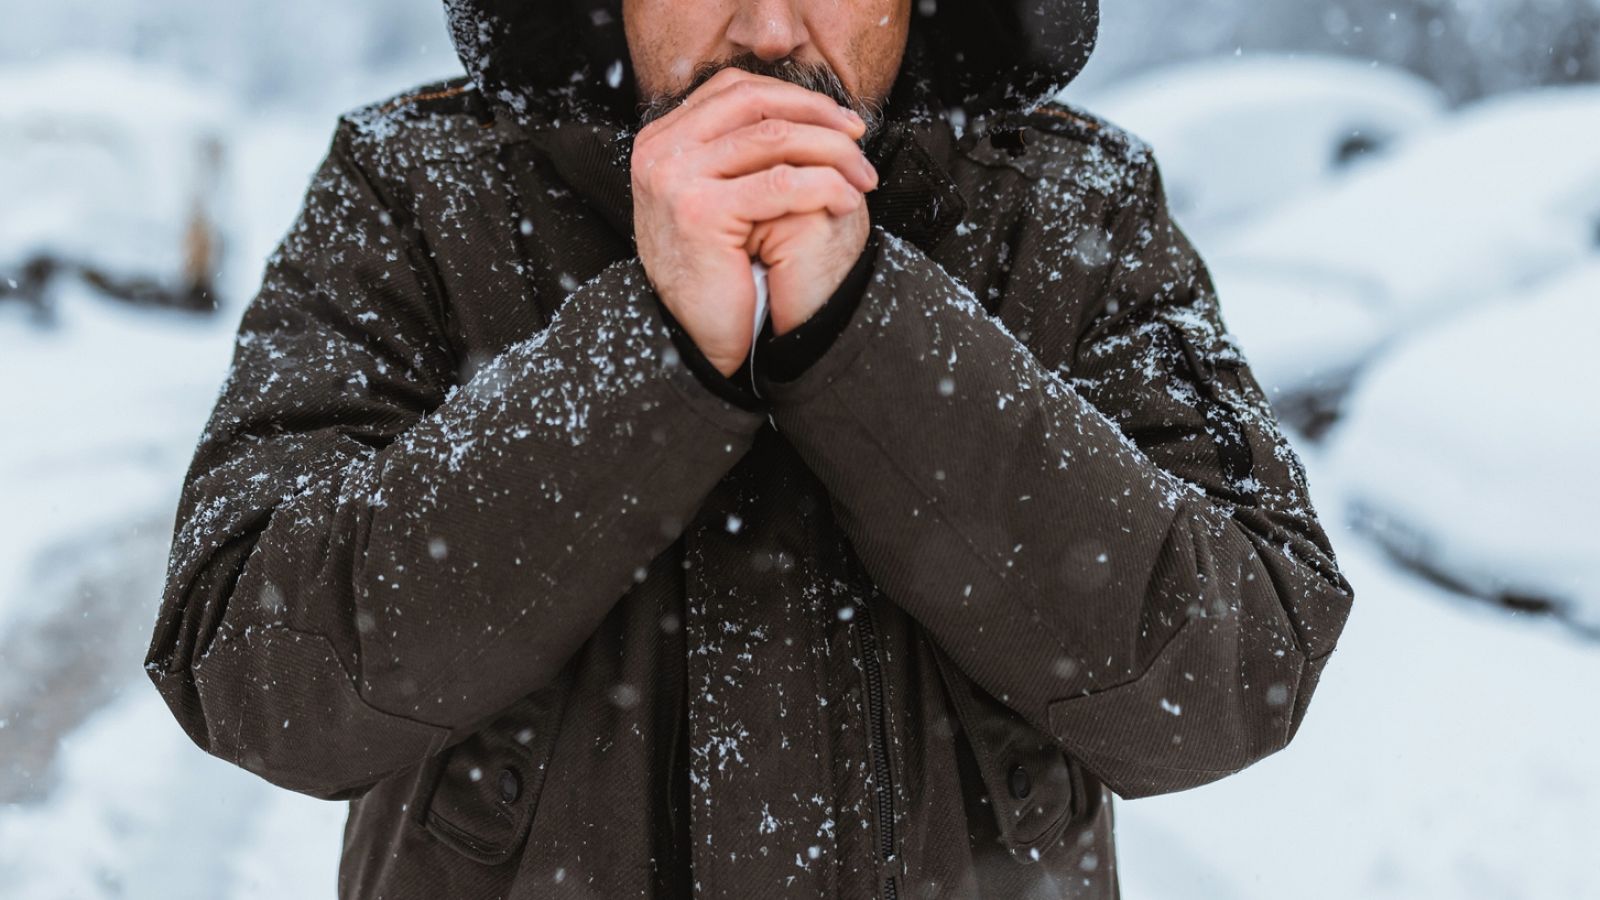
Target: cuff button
{"x": 510, "y": 785}
{"x": 1019, "y": 782}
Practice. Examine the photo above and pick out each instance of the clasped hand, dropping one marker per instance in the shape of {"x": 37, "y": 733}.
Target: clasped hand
{"x": 749, "y": 167}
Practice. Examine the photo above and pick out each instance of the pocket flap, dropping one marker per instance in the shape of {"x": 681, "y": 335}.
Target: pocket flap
{"x": 1034, "y": 788}
{"x": 482, "y": 792}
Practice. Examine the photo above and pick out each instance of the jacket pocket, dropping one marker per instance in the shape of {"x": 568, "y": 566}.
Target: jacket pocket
{"x": 480, "y": 795}
{"x": 1035, "y": 789}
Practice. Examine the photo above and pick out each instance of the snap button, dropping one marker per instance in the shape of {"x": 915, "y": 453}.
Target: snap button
{"x": 1019, "y": 782}
{"x": 510, "y": 785}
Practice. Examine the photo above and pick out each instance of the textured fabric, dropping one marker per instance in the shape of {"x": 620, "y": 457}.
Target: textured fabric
{"x": 466, "y": 543}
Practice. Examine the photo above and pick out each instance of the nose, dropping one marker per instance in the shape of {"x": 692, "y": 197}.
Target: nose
{"x": 771, "y": 29}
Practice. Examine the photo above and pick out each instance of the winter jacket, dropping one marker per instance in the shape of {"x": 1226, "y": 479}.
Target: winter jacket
{"x": 471, "y": 542}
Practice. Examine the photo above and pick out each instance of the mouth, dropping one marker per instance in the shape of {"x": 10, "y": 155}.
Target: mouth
{"x": 814, "y": 76}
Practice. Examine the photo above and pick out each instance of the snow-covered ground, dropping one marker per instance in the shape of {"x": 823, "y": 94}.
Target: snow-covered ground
{"x": 1448, "y": 753}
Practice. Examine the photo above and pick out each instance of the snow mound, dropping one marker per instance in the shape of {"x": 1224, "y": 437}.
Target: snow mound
{"x": 106, "y": 164}
{"x": 1237, "y": 135}
{"x": 1470, "y": 450}
{"x": 1502, "y": 194}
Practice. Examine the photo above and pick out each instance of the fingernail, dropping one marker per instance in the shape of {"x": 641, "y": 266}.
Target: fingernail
{"x": 850, "y": 112}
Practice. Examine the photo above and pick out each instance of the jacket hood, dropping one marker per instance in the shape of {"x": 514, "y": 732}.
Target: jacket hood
{"x": 569, "y": 58}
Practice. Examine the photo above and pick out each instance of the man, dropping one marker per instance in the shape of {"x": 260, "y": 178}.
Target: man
{"x": 498, "y": 532}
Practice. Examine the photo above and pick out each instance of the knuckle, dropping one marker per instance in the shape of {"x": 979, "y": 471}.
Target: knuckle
{"x": 842, "y": 186}
{"x": 780, "y": 178}
{"x": 744, "y": 91}
{"x": 773, "y": 130}
{"x": 729, "y": 144}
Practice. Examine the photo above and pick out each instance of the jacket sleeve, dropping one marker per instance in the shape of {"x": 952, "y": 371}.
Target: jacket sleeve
{"x": 374, "y": 555}
{"x": 1121, "y": 549}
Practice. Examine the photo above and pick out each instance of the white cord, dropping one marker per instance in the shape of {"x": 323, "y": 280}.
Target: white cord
{"x": 758, "y": 270}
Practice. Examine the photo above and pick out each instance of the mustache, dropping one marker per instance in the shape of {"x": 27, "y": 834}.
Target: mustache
{"x": 813, "y": 76}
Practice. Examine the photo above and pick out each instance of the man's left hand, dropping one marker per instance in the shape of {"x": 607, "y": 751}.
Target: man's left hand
{"x": 807, "y": 257}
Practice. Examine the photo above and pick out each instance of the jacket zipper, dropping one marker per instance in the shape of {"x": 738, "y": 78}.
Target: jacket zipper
{"x": 878, "y": 739}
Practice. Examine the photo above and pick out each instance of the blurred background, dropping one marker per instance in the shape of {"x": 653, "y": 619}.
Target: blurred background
{"x": 1399, "y": 201}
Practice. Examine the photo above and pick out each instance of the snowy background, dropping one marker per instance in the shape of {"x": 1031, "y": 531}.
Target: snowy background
{"x": 1399, "y": 201}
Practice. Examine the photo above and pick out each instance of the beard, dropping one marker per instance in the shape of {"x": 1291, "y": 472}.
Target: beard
{"x": 813, "y": 76}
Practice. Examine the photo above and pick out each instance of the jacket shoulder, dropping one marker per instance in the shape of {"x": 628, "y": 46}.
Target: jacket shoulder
{"x": 1063, "y": 143}
{"x": 440, "y": 120}
{"x": 1068, "y": 120}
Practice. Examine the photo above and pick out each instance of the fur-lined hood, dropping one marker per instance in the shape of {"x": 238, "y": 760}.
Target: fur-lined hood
{"x": 561, "y": 58}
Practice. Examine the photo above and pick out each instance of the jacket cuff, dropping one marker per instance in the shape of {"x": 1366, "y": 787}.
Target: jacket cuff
{"x": 736, "y": 388}
{"x": 786, "y": 357}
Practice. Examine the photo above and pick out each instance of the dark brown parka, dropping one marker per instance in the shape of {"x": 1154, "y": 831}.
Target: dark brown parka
{"x": 467, "y": 542}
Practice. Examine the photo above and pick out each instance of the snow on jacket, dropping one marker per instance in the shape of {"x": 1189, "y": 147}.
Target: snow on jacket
{"x": 468, "y": 544}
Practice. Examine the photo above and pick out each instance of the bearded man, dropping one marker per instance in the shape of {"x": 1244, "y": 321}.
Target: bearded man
{"x": 742, "y": 448}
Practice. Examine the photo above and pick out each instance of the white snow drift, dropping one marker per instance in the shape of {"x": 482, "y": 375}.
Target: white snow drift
{"x": 1471, "y": 449}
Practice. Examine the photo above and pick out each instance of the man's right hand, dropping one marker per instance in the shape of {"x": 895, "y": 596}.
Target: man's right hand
{"x": 741, "y": 149}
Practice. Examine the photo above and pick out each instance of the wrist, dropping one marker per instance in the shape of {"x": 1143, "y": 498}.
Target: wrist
{"x": 726, "y": 367}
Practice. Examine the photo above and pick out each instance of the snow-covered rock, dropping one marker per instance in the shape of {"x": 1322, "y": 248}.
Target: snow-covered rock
{"x": 1489, "y": 200}
{"x": 292, "y": 52}
{"x": 1236, "y": 135}
{"x": 1501, "y": 194}
{"x": 1470, "y": 48}
{"x": 1470, "y": 450}
{"x": 108, "y": 165}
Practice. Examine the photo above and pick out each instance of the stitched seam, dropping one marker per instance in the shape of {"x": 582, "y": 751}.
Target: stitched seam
{"x": 1181, "y": 632}
{"x": 398, "y": 102}
{"x": 1063, "y": 114}
{"x": 267, "y": 629}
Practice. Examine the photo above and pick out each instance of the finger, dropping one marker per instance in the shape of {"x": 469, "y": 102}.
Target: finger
{"x": 785, "y": 189}
{"x": 763, "y": 232}
{"x": 719, "y": 80}
{"x": 769, "y": 142}
{"x": 755, "y": 97}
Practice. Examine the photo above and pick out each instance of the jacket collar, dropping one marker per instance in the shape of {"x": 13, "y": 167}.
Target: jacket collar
{"x": 916, "y": 198}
